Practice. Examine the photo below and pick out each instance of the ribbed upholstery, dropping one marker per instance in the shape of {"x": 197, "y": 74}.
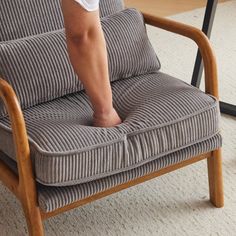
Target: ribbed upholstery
{"x": 166, "y": 121}
{"x": 39, "y": 69}
{"x": 51, "y": 198}
{"x": 22, "y": 18}
{"x": 109, "y": 7}
{"x": 161, "y": 115}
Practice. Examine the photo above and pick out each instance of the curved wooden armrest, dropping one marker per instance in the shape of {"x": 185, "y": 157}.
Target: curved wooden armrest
{"x": 209, "y": 60}
{"x": 20, "y": 137}
{"x": 12, "y": 105}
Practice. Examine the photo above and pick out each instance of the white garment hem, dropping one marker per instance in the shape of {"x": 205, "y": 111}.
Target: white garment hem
{"x": 92, "y": 6}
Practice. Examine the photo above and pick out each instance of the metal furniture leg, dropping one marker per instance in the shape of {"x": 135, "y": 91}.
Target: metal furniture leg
{"x": 207, "y": 27}
{"x": 198, "y": 68}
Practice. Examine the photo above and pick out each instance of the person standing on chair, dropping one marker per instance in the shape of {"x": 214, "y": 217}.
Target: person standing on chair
{"x": 87, "y": 52}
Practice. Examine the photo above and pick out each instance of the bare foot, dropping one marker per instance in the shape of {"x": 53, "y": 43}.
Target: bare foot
{"x": 108, "y": 119}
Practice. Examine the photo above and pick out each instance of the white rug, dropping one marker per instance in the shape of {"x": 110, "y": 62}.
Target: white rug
{"x": 175, "y": 204}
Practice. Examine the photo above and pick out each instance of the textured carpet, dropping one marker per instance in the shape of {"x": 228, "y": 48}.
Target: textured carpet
{"x": 175, "y": 204}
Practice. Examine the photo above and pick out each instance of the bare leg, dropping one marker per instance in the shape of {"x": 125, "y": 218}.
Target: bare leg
{"x": 87, "y": 51}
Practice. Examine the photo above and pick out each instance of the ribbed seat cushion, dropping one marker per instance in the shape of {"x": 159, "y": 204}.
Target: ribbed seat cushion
{"x": 22, "y": 18}
{"x": 39, "y": 70}
{"x": 52, "y": 198}
{"x": 161, "y": 115}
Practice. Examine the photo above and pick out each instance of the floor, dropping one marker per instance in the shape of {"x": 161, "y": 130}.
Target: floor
{"x": 166, "y": 7}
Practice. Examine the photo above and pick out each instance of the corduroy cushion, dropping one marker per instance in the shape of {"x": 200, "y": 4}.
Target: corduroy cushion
{"x": 22, "y": 18}
{"x": 109, "y": 7}
{"x": 39, "y": 70}
{"x": 161, "y": 115}
{"x": 52, "y": 198}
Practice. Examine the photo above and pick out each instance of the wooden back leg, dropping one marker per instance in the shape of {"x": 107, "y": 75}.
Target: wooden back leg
{"x": 215, "y": 177}
{"x": 33, "y": 218}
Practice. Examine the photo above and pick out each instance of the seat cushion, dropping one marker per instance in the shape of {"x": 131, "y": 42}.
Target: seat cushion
{"x": 161, "y": 115}
{"x": 22, "y": 18}
{"x": 52, "y": 198}
{"x": 39, "y": 70}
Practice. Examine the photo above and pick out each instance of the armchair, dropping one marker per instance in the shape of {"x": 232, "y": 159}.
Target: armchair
{"x": 37, "y": 198}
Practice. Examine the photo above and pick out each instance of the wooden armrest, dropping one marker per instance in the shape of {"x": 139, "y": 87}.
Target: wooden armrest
{"x": 20, "y": 137}
{"x": 12, "y": 105}
{"x": 209, "y": 60}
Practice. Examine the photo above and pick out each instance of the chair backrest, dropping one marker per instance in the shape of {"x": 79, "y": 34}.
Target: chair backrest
{"x": 22, "y": 18}
{"x": 34, "y": 58}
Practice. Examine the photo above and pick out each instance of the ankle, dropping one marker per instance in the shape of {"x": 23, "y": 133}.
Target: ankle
{"x": 103, "y": 112}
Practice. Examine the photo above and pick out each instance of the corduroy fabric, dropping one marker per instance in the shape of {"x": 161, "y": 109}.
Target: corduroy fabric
{"x": 161, "y": 115}
{"x": 22, "y": 18}
{"x": 39, "y": 69}
{"x": 109, "y": 7}
{"x": 52, "y": 198}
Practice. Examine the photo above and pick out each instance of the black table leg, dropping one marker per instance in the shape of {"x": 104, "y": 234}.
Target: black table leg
{"x": 198, "y": 68}
{"x": 227, "y": 108}
{"x": 207, "y": 27}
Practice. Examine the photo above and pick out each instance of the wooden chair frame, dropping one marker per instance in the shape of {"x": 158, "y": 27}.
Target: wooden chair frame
{"x": 23, "y": 185}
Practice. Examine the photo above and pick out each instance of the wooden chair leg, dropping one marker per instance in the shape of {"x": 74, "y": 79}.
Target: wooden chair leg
{"x": 33, "y": 219}
{"x": 215, "y": 178}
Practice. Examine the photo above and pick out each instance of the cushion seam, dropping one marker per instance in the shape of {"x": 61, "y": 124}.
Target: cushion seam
{"x": 94, "y": 177}
{"x": 37, "y": 147}
{"x": 214, "y": 105}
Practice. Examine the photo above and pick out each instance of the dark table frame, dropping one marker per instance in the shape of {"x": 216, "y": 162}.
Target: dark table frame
{"x": 198, "y": 68}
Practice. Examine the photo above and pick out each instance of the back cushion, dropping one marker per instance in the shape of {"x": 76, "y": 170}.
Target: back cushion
{"x": 21, "y": 18}
{"x": 109, "y": 7}
{"x": 39, "y": 70}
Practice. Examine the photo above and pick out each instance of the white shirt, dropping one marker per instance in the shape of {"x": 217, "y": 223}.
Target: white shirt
{"x": 89, "y": 5}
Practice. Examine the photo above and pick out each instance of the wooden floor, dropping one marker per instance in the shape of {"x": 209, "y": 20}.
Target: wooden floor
{"x": 166, "y": 7}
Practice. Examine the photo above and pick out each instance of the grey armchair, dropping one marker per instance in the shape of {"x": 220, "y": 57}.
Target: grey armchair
{"x": 51, "y": 157}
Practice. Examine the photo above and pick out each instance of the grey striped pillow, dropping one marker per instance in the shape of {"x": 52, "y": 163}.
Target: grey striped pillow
{"x": 109, "y": 7}
{"x": 39, "y": 69}
{"x": 22, "y": 18}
